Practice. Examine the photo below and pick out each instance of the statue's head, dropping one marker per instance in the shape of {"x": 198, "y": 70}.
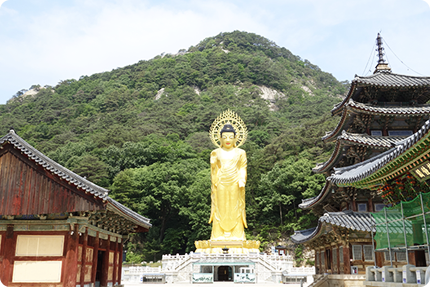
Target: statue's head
{"x": 228, "y": 136}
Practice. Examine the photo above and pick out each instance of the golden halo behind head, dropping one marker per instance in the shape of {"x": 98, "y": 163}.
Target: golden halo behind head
{"x": 228, "y": 117}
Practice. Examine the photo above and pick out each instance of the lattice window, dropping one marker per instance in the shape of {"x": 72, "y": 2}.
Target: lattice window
{"x": 341, "y": 254}
{"x": 357, "y": 251}
{"x": 334, "y": 256}
{"x": 322, "y": 258}
{"x": 362, "y": 207}
{"x": 401, "y": 256}
{"x": 387, "y": 255}
{"x": 368, "y": 253}
{"x": 317, "y": 258}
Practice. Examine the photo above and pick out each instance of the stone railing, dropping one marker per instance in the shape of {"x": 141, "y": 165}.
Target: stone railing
{"x": 407, "y": 274}
{"x": 275, "y": 262}
{"x": 135, "y": 273}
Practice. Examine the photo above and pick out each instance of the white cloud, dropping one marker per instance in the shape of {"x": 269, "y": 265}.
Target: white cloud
{"x": 89, "y": 36}
{"x": 1, "y": 2}
{"x": 427, "y": 1}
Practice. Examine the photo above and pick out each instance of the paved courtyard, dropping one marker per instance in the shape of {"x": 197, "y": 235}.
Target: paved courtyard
{"x": 216, "y": 284}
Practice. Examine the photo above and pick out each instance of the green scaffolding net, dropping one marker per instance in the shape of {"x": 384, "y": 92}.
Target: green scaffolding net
{"x": 394, "y": 230}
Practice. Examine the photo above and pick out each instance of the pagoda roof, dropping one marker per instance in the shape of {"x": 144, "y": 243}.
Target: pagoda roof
{"x": 376, "y": 142}
{"x": 309, "y": 202}
{"x": 382, "y": 79}
{"x": 389, "y": 110}
{"x": 353, "y": 106}
{"x": 386, "y": 165}
{"x": 359, "y": 221}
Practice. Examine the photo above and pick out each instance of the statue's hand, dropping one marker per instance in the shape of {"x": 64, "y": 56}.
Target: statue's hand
{"x": 241, "y": 183}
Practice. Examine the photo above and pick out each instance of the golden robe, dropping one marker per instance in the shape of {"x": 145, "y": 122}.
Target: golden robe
{"x": 228, "y": 167}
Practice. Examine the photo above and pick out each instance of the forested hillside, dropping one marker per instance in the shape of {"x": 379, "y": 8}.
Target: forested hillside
{"x": 142, "y": 132}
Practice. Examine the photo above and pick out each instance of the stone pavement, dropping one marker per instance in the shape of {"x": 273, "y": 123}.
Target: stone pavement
{"x": 215, "y": 284}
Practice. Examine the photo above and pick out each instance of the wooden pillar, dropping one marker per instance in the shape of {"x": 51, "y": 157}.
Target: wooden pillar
{"x": 70, "y": 268}
{"x": 8, "y": 256}
{"x": 95, "y": 257}
{"x": 346, "y": 259}
{"x": 370, "y": 205}
{"x": 338, "y": 260}
{"x": 120, "y": 261}
{"x": 84, "y": 257}
{"x": 325, "y": 260}
{"x": 115, "y": 258}
{"x": 105, "y": 271}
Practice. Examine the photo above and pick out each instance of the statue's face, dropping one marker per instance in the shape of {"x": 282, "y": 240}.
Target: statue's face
{"x": 227, "y": 140}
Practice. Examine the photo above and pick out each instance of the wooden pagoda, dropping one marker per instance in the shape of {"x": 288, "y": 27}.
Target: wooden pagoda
{"x": 57, "y": 228}
{"x": 378, "y": 113}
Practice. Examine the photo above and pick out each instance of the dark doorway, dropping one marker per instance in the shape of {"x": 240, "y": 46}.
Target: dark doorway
{"x": 100, "y": 266}
{"x": 328, "y": 263}
{"x": 225, "y": 273}
{"x": 420, "y": 258}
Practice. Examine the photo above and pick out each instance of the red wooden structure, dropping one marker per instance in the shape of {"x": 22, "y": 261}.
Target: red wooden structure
{"x": 57, "y": 228}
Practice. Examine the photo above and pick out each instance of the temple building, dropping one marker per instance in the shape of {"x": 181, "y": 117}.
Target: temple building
{"x": 56, "y": 227}
{"x": 380, "y": 114}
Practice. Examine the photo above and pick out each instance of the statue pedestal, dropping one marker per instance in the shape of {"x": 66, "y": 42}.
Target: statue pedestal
{"x": 234, "y": 246}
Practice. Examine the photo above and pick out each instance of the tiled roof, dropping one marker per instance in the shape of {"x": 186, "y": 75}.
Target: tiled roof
{"x": 359, "y": 221}
{"x": 331, "y": 135}
{"x": 375, "y": 110}
{"x": 309, "y": 202}
{"x": 392, "y": 80}
{"x": 368, "y": 140}
{"x": 377, "y": 142}
{"x": 402, "y": 110}
{"x": 301, "y": 236}
{"x": 72, "y": 178}
{"x": 52, "y": 166}
{"x": 131, "y": 215}
{"x": 382, "y": 79}
{"x": 354, "y": 173}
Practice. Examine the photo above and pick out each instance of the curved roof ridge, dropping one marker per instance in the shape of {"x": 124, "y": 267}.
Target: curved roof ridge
{"x": 52, "y": 166}
{"x": 378, "y": 142}
{"x": 384, "y": 80}
{"x": 364, "y": 169}
{"x": 406, "y": 110}
{"x": 133, "y": 216}
{"x": 309, "y": 202}
{"x": 330, "y": 135}
{"x": 361, "y": 221}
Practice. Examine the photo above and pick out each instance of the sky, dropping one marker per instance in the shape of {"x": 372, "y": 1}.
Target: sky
{"x": 45, "y": 41}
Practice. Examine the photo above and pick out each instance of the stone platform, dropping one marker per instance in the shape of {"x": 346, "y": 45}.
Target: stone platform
{"x": 234, "y": 246}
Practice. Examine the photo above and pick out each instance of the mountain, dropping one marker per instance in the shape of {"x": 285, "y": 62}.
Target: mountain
{"x": 141, "y": 131}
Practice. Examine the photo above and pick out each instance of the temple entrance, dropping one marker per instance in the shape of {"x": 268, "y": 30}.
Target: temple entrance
{"x": 225, "y": 273}
{"x": 100, "y": 256}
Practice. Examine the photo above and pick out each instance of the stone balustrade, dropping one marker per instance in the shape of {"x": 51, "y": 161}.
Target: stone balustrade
{"x": 407, "y": 274}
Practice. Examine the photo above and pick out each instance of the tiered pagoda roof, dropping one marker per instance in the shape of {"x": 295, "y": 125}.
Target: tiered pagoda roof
{"x": 381, "y": 95}
{"x": 355, "y": 107}
{"x": 375, "y": 142}
{"x": 389, "y": 164}
{"x": 386, "y": 80}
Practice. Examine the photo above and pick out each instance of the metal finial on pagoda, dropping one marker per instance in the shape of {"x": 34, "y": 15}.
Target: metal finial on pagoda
{"x": 381, "y": 66}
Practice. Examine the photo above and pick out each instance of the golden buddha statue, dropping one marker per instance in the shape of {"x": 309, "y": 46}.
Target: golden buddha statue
{"x": 228, "y": 177}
